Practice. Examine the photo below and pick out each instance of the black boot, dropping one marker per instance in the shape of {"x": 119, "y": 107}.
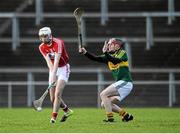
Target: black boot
{"x": 127, "y": 117}
{"x": 109, "y": 120}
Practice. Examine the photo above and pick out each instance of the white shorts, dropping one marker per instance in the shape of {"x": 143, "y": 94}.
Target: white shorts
{"x": 123, "y": 88}
{"x": 62, "y": 73}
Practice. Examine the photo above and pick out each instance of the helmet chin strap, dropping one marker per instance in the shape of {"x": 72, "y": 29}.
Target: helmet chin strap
{"x": 47, "y": 41}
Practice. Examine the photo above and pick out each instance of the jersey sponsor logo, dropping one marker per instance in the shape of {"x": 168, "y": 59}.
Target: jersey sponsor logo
{"x": 116, "y": 66}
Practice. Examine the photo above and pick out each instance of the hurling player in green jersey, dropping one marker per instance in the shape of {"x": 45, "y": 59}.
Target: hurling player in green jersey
{"x": 116, "y": 58}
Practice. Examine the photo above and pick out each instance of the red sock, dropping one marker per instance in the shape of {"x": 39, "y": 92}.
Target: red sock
{"x": 54, "y": 115}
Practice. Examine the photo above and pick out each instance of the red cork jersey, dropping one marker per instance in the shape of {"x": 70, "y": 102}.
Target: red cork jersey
{"x": 56, "y": 47}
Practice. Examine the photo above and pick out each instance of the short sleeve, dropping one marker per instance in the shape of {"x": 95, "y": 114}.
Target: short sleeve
{"x": 59, "y": 47}
{"x": 122, "y": 55}
{"x": 42, "y": 50}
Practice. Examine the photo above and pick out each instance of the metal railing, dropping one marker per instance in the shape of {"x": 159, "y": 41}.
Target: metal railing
{"x": 100, "y": 83}
{"x": 148, "y": 15}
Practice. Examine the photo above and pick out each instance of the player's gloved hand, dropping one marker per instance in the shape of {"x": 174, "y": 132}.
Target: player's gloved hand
{"x": 82, "y": 50}
{"x": 105, "y": 47}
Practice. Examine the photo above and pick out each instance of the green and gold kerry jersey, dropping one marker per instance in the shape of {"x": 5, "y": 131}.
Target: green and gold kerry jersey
{"x": 120, "y": 71}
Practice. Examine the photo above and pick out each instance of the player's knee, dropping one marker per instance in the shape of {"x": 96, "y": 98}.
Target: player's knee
{"x": 102, "y": 95}
{"x": 115, "y": 99}
{"x": 52, "y": 99}
{"x": 58, "y": 95}
{"x": 102, "y": 105}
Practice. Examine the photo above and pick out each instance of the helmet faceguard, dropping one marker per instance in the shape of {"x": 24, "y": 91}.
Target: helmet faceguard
{"x": 45, "y": 35}
{"x": 115, "y": 44}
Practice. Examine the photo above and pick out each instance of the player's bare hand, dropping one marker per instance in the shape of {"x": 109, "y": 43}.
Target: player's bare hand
{"x": 82, "y": 50}
{"x": 105, "y": 47}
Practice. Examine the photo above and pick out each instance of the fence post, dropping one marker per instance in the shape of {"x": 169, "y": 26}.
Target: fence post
{"x": 128, "y": 50}
{"x": 172, "y": 90}
{"x": 100, "y": 86}
{"x": 39, "y": 11}
{"x": 30, "y": 89}
{"x": 104, "y": 11}
{"x": 9, "y": 95}
{"x": 149, "y": 33}
{"x": 171, "y": 10}
{"x": 15, "y": 33}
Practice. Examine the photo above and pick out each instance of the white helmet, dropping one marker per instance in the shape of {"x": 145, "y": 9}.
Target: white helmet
{"x": 45, "y": 31}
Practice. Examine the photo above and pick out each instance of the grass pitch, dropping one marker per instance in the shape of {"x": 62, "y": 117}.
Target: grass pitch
{"x": 89, "y": 120}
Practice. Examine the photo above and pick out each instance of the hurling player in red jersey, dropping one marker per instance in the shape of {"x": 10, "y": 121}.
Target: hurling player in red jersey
{"x": 54, "y": 52}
